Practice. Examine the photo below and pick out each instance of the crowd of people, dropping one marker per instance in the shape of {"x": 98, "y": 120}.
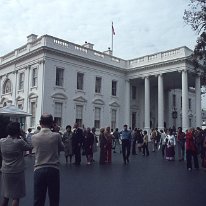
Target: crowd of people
{"x": 47, "y": 142}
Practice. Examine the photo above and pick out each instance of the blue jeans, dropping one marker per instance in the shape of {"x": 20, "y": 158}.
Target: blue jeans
{"x": 46, "y": 178}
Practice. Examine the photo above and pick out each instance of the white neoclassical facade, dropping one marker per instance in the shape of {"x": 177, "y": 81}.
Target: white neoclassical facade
{"x": 79, "y": 84}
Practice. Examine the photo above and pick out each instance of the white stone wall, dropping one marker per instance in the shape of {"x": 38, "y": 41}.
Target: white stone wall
{"x": 47, "y": 52}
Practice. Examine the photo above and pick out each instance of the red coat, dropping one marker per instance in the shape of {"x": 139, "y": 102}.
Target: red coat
{"x": 190, "y": 144}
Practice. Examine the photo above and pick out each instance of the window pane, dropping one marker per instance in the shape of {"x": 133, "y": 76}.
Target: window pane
{"x": 114, "y": 88}
{"x": 97, "y": 116}
{"x": 113, "y": 119}
{"x": 33, "y": 112}
{"x": 21, "y": 81}
{"x": 98, "y": 85}
{"x": 80, "y": 81}
{"x": 133, "y": 92}
{"x": 7, "y": 87}
{"x": 190, "y": 104}
{"x": 58, "y": 109}
{"x": 174, "y": 100}
{"x": 59, "y": 76}
{"x": 34, "y": 77}
{"x": 79, "y": 111}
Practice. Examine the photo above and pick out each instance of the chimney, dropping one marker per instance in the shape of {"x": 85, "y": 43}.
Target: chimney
{"x": 31, "y": 38}
{"x": 88, "y": 45}
{"x": 109, "y": 51}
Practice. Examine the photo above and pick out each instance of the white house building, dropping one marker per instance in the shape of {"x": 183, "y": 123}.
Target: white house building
{"x": 79, "y": 84}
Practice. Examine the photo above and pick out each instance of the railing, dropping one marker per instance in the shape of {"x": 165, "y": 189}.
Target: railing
{"x": 65, "y": 46}
{"x": 61, "y": 42}
{"x": 160, "y": 57}
{"x": 8, "y": 56}
{"x": 22, "y": 49}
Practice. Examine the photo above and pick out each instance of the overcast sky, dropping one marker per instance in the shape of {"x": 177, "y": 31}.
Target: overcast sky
{"x": 142, "y": 26}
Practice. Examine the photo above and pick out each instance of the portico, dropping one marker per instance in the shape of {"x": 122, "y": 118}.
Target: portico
{"x": 159, "y": 80}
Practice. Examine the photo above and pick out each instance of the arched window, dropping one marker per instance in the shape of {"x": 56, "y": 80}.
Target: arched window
{"x": 7, "y": 86}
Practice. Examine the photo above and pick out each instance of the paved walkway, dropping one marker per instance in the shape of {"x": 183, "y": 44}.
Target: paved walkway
{"x": 146, "y": 181}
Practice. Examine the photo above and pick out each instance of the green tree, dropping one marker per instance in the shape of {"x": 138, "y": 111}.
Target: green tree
{"x": 195, "y": 16}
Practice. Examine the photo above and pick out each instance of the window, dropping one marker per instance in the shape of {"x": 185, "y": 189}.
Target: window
{"x": 80, "y": 81}
{"x": 97, "y": 115}
{"x": 133, "y": 120}
{"x": 34, "y": 77}
{"x": 58, "y": 113}
{"x": 79, "y": 115}
{"x": 190, "y": 122}
{"x": 33, "y": 113}
{"x": 21, "y": 81}
{"x": 98, "y": 85}
{"x": 114, "y": 88}
{"x": 134, "y": 92}
{"x": 7, "y": 86}
{"x": 190, "y": 104}
{"x": 174, "y": 100}
{"x": 113, "y": 119}
{"x": 59, "y": 77}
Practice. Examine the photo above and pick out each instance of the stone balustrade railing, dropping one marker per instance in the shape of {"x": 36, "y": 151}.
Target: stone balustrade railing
{"x": 161, "y": 57}
{"x": 64, "y": 46}
{"x": 74, "y": 49}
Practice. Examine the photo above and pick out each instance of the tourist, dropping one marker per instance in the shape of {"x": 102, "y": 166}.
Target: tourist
{"x": 170, "y": 145}
{"x": 191, "y": 150}
{"x": 126, "y": 144}
{"x": 134, "y": 141}
{"x": 154, "y": 139}
{"x": 13, "y": 177}
{"x": 116, "y": 140}
{"x": 145, "y": 144}
{"x": 139, "y": 140}
{"x": 199, "y": 139}
{"x": 88, "y": 145}
{"x": 28, "y": 138}
{"x": 94, "y": 148}
{"x": 103, "y": 145}
{"x": 77, "y": 141}
{"x": 181, "y": 144}
{"x": 162, "y": 143}
{"x": 67, "y": 140}
{"x": 109, "y": 138}
{"x": 47, "y": 145}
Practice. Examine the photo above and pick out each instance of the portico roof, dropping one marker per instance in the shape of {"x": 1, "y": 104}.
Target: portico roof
{"x": 12, "y": 110}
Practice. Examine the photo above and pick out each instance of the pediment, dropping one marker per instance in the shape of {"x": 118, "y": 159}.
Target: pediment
{"x": 32, "y": 95}
{"x": 80, "y": 99}
{"x": 19, "y": 98}
{"x": 135, "y": 107}
{"x": 114, "y": 104}
{"x": 98, "y": 101}
{"x": 59, "y": 96}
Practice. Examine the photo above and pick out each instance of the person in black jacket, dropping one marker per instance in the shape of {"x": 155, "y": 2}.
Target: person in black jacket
{"x": 77, "y": 141}
{"x": 88, "y": 145}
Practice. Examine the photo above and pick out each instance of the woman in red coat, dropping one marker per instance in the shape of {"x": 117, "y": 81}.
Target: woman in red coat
{"x": 191, "y": 150}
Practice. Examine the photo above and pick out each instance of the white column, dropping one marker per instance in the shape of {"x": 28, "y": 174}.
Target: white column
{"x": 147, "y": 104}
{"x": 127, "y": 103}
{"x": 198, "y": 101}
{"x": 160, "y": 102}
{"x": 185, "y": 122}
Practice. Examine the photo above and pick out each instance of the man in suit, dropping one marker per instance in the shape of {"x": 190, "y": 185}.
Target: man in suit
{"x": 47, "y": 145}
